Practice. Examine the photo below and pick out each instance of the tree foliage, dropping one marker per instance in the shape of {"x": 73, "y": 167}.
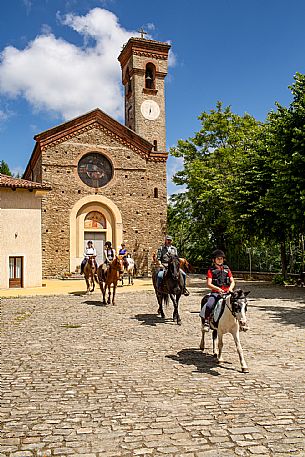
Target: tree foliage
{"x": 245, "y": 186}
{"x": 4, "y": 168}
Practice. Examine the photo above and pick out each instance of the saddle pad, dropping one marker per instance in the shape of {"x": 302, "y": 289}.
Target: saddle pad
{"x": 218, "y": 310}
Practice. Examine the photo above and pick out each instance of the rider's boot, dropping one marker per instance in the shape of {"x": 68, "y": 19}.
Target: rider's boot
{"x": 185, "y": 292}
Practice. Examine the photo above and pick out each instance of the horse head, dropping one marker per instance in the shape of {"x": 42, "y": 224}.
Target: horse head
{"x": 239, "y": 307}
{"x": 173, "y": 267}
{"x": 117, "y": 264}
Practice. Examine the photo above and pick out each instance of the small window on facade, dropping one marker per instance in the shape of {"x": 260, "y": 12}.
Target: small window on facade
{"x": 150, "y": 74}
{"x": 156, "y": 192}
{"x": 155, "y": 145}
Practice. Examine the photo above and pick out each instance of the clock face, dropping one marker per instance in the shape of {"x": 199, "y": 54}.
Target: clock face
{"x": 150, "y": 110}
{"x": 95, "y": 169}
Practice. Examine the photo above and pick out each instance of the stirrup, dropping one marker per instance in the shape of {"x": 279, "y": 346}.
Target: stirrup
{"x": 186, "y": 292}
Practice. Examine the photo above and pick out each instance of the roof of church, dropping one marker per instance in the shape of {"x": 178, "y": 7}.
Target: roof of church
{"x": 17, "y": 183}
{"x": 95, "y": 118}
{"x": 95, "y": 115}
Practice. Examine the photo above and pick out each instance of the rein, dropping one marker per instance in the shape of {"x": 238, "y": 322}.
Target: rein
{"x": 230, "y": 309}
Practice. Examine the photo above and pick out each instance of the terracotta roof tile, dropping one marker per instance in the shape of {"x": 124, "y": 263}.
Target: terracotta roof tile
{"x": 17, "y": 183}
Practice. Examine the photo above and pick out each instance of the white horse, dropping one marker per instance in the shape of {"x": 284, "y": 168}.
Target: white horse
{"x": 129, "y": 268}
{"x": 231, "y": 321}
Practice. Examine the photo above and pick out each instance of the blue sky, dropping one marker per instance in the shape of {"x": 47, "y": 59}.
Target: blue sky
{"x": 59, "y": 59}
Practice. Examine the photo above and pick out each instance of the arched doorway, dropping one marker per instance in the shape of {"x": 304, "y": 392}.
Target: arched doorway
{"x": 95, "y": 230}
{"x": 94, "y": 218}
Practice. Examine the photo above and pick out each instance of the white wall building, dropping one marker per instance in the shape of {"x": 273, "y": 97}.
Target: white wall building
{"x": 20, "y": 232}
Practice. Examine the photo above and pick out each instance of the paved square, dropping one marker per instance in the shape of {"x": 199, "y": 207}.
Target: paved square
{"x": 98, "y": 381}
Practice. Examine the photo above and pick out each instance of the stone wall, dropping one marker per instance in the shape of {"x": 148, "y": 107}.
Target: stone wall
{"x": 132, "y": 190}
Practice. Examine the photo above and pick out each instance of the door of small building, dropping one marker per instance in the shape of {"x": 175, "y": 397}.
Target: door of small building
{"x": 16, "y": 272}
{"x": 98, "y": 239}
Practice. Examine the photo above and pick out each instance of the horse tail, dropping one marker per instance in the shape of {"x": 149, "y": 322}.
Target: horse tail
{"x": 135, "y": 270}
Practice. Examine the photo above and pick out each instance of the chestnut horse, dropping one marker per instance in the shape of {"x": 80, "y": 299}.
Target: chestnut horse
{"x": 90, "y": 271}
{"x": 108, "y": 277}
{"x": 185, "y": 265}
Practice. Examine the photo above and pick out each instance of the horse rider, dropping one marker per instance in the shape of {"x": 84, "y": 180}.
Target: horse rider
{"x": 123, "y": 250}
{"x": 109, "y": 254}
{"x": 163, "y": 255}
{"x": 219, "y": 280}
{"x": 89, "y": 252}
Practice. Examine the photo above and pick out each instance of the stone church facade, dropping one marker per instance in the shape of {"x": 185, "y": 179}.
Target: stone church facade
{"x": 107, "y": 180}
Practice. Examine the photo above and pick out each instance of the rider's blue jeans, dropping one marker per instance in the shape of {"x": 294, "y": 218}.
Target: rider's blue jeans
{"x": 213, "y": 298}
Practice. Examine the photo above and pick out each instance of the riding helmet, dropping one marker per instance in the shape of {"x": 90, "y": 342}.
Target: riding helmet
{"x": 218, "y": 253}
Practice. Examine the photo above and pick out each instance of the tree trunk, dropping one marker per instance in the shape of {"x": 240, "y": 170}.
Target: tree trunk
{"x": 283, "y": 259}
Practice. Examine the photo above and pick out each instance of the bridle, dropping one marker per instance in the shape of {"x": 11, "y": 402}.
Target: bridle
{"x": 235, "y": 306}
{"x": 173, "y": 267}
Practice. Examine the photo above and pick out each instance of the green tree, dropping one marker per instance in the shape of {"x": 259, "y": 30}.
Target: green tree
{"x": 4, "y": 168}
{"x": 211, "y": 166}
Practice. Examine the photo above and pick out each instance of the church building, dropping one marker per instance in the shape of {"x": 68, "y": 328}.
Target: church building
{"x": 107, "y": 180}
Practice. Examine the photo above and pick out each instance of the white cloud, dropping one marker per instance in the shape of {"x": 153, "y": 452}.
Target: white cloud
{"x": 61, "y": 78}
{"x": 55, "y": 75}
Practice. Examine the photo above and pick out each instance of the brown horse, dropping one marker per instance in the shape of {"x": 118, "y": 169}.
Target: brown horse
{"x": 108, "y": 277}
{"x": 90, "y": 271}
{"x": 185, "y": 265}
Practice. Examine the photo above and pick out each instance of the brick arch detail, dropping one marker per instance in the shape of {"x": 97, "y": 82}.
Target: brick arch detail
{"x": 77, "y": 215}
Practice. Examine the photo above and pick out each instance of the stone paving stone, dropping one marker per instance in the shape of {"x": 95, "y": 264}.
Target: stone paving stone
{"x": 91, "y": 381}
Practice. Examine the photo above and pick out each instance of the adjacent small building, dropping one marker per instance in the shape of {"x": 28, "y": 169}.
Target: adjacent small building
{"x": 20, "y": 232}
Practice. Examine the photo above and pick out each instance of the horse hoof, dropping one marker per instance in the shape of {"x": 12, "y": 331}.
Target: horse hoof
{"x": 178, "y": 322}
{"x": 245, "y": 370}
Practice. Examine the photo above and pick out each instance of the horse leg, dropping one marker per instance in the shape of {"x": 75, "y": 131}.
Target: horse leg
{"x": 132, "y": 278}
{"x": 160, "y": 309}
{"x": 214, "y": 337}
{"x": 92, "y": 283}
{"x": 88, "y": 285}
{"x": 103, "y": 290}
{"x": 244, "y": 367}
{"x": 202, "y": 337}
{"x": 109, "y": 294}
{"x": 220, "y": 346}
{"x": 176, "y": 316}
{"x": 113, "y": 293}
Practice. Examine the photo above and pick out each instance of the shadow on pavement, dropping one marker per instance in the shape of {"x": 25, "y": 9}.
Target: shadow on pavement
{"x": 284, "y": 315}
{"x": 205, "y": 363}
{"x": 152, "y": 319}
{"x": 78, "y": 293}
{"x": 94, "y": 303}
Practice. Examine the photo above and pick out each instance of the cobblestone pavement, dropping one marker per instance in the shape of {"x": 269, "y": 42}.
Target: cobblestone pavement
{"x": 98, "y": 381}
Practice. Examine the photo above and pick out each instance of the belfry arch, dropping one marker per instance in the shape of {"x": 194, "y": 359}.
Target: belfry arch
{"x": 112, "y": 229}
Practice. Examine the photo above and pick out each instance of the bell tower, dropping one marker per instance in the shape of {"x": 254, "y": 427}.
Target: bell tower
{"x": 144, "y": 67}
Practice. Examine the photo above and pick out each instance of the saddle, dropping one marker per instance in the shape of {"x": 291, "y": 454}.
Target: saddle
{"x": 163, "y": 287}
{"x": 217, "y": 310}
